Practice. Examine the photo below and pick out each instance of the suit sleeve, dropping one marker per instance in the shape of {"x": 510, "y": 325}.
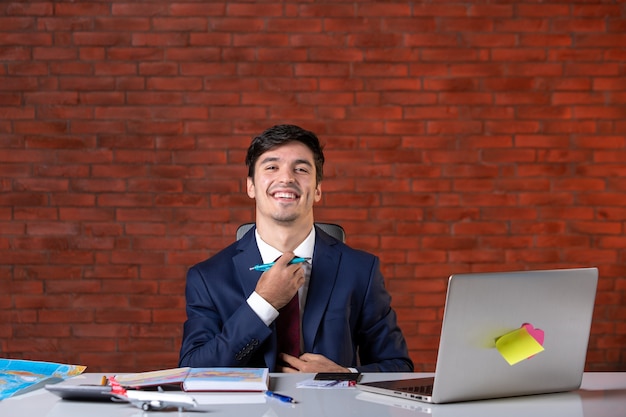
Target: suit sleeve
{"x": 382, "y": 346}
{"x": 213, "y": 333}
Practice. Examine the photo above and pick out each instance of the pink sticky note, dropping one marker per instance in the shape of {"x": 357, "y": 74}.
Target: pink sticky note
{"x": 537, "y": 334}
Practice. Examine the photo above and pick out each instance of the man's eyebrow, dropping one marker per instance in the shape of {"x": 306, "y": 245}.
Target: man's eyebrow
{"x": 304, "y": 161}
{"x": 274, "y": 159}
{"x": 268, "y": 159}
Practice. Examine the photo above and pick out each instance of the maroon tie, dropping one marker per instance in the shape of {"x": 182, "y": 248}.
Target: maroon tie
{"x": 288, "y": 328}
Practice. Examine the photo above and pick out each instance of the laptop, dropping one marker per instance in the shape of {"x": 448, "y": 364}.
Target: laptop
{"x": 482, "y": 307}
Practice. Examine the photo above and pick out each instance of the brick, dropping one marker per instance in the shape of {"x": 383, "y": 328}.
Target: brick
{"x": 355, "y": 24}
{"x": 174, "y": 83}
{"x": 242, "y": 9}
{"x": 561, "y": 241}
{"x": 107, "y": 98}
{"x": 374, "y": 40}
{"x": 17, "y": 113}
{"x": 518, "y": 54}
{"x": 448, "y": 127}
{"x": 615, "y": 54}
{"x": 619, "y": 98}
{"x": 600, "y": 40}
{"x": 430, "y": 40}
{"x": 491, "y": 40}
{"x": 17, "y": 23}
{"x": 478, "y": 70}
{"x": 67, "y": 113}
{"x": 9, "y": 99}
{"x": 130, "y": 9}
{"x": 590, "y": 256}
{"x": 21, "y": 39}
{"x": 581, "y": 127}
{"x": 599, "y": 112}
{"x": 128, "y": 53}
{"x": 575, "y": 55}
{"x": 87, "y": 83}
{"x": 577, "y": 98}
{"x": 544, "y": 10}
{"x": 197, "y": 9}
{"x": 86, "y": 345}
{"x": 533, "y": 257}
{"x": 495, "y": 10}
{"x": 584, "y": 69}
{"x": 34, "y": 213}
{"x": 596, "y": 10}
{"x": 505, "y": 242}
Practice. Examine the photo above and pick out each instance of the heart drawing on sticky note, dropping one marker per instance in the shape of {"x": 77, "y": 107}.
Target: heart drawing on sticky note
{"x": 536, "y": 334}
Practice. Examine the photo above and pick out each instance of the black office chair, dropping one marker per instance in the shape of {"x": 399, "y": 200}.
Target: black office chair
{"x": 332, "y": 229}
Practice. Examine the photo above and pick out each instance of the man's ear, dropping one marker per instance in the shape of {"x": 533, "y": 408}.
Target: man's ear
{"x": 318, "y": 192}
{"x": 250, "y": 187}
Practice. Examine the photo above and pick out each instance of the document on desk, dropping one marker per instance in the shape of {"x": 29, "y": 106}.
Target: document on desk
{"x": 331, "y": 380}
{"x": 336, "y": 384}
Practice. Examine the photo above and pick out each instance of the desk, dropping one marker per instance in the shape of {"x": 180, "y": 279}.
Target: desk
{"x": 602, "y": 394}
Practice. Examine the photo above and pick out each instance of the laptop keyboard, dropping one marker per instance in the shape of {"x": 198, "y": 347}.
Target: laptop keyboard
{"x": 418, "y": 389}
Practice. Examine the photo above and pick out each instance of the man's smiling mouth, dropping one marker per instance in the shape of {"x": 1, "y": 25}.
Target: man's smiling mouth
{"x": 285, "y": 195}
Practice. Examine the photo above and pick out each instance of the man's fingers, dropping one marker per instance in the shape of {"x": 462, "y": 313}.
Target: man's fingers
{"x": 284, "y": 259}
{"x": 291, "y": 361}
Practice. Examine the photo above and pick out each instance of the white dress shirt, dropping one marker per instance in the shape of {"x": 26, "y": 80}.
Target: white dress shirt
{"x": 259, "y": 305}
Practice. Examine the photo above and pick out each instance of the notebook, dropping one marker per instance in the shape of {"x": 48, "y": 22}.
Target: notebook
{"x": 483, "y": 308}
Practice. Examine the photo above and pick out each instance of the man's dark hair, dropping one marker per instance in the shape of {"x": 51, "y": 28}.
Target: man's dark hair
{"x": 280, "y": 135}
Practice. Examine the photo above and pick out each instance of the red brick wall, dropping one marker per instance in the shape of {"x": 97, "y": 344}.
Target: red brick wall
{"x": 460, "y": 136}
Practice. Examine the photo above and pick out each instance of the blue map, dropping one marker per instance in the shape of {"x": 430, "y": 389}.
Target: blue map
{"x": 19, "y": 375}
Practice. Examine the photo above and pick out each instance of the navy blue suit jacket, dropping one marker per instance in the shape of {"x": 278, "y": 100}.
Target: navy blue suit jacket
{"x": 347, "y": 316}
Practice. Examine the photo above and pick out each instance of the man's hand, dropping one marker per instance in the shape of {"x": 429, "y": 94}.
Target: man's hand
{"x": 309, "y": 363}
{"x": 280, "y": 283}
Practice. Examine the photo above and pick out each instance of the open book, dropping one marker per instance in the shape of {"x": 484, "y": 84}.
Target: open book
{"x": 200, "y": 379}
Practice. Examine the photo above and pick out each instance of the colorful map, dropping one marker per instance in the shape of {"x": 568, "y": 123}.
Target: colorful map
{"x": 19, "y": 375}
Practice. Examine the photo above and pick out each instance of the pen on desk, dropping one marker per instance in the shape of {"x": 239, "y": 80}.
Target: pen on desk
{"x": 265, "y": 267}
{"x": 280, "y": 397}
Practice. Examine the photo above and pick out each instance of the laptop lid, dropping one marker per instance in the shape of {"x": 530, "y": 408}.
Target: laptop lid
{"x": 483, "y": 307}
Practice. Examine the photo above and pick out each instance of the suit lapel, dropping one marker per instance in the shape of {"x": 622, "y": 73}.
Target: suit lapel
{"x": 323, "y": 277}
{"x": 249, "y": 256}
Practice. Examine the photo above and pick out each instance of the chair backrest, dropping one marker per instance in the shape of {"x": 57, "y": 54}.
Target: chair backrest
{"x": 332, "y": 229}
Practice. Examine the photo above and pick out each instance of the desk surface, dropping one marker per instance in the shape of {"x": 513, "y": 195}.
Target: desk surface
{"x": 601, "y": 395}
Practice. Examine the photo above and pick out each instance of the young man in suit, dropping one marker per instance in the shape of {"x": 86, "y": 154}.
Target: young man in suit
{"x": 343, "y": 318}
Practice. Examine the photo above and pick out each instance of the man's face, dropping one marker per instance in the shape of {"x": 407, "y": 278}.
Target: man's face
{"x": 284, "y": 183}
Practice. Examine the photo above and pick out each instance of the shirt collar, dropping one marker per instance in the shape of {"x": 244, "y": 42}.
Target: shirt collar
{"x": 270, "y": 254}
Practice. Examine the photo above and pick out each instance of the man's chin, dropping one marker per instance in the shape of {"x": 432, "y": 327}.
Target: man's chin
{"x": 285, "y": 220}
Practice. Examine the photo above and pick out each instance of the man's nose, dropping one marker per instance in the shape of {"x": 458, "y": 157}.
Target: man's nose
{"x": 287, "y": 177}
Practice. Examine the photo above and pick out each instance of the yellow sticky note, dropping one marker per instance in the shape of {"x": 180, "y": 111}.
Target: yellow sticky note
{"x": 517, "y": 346}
